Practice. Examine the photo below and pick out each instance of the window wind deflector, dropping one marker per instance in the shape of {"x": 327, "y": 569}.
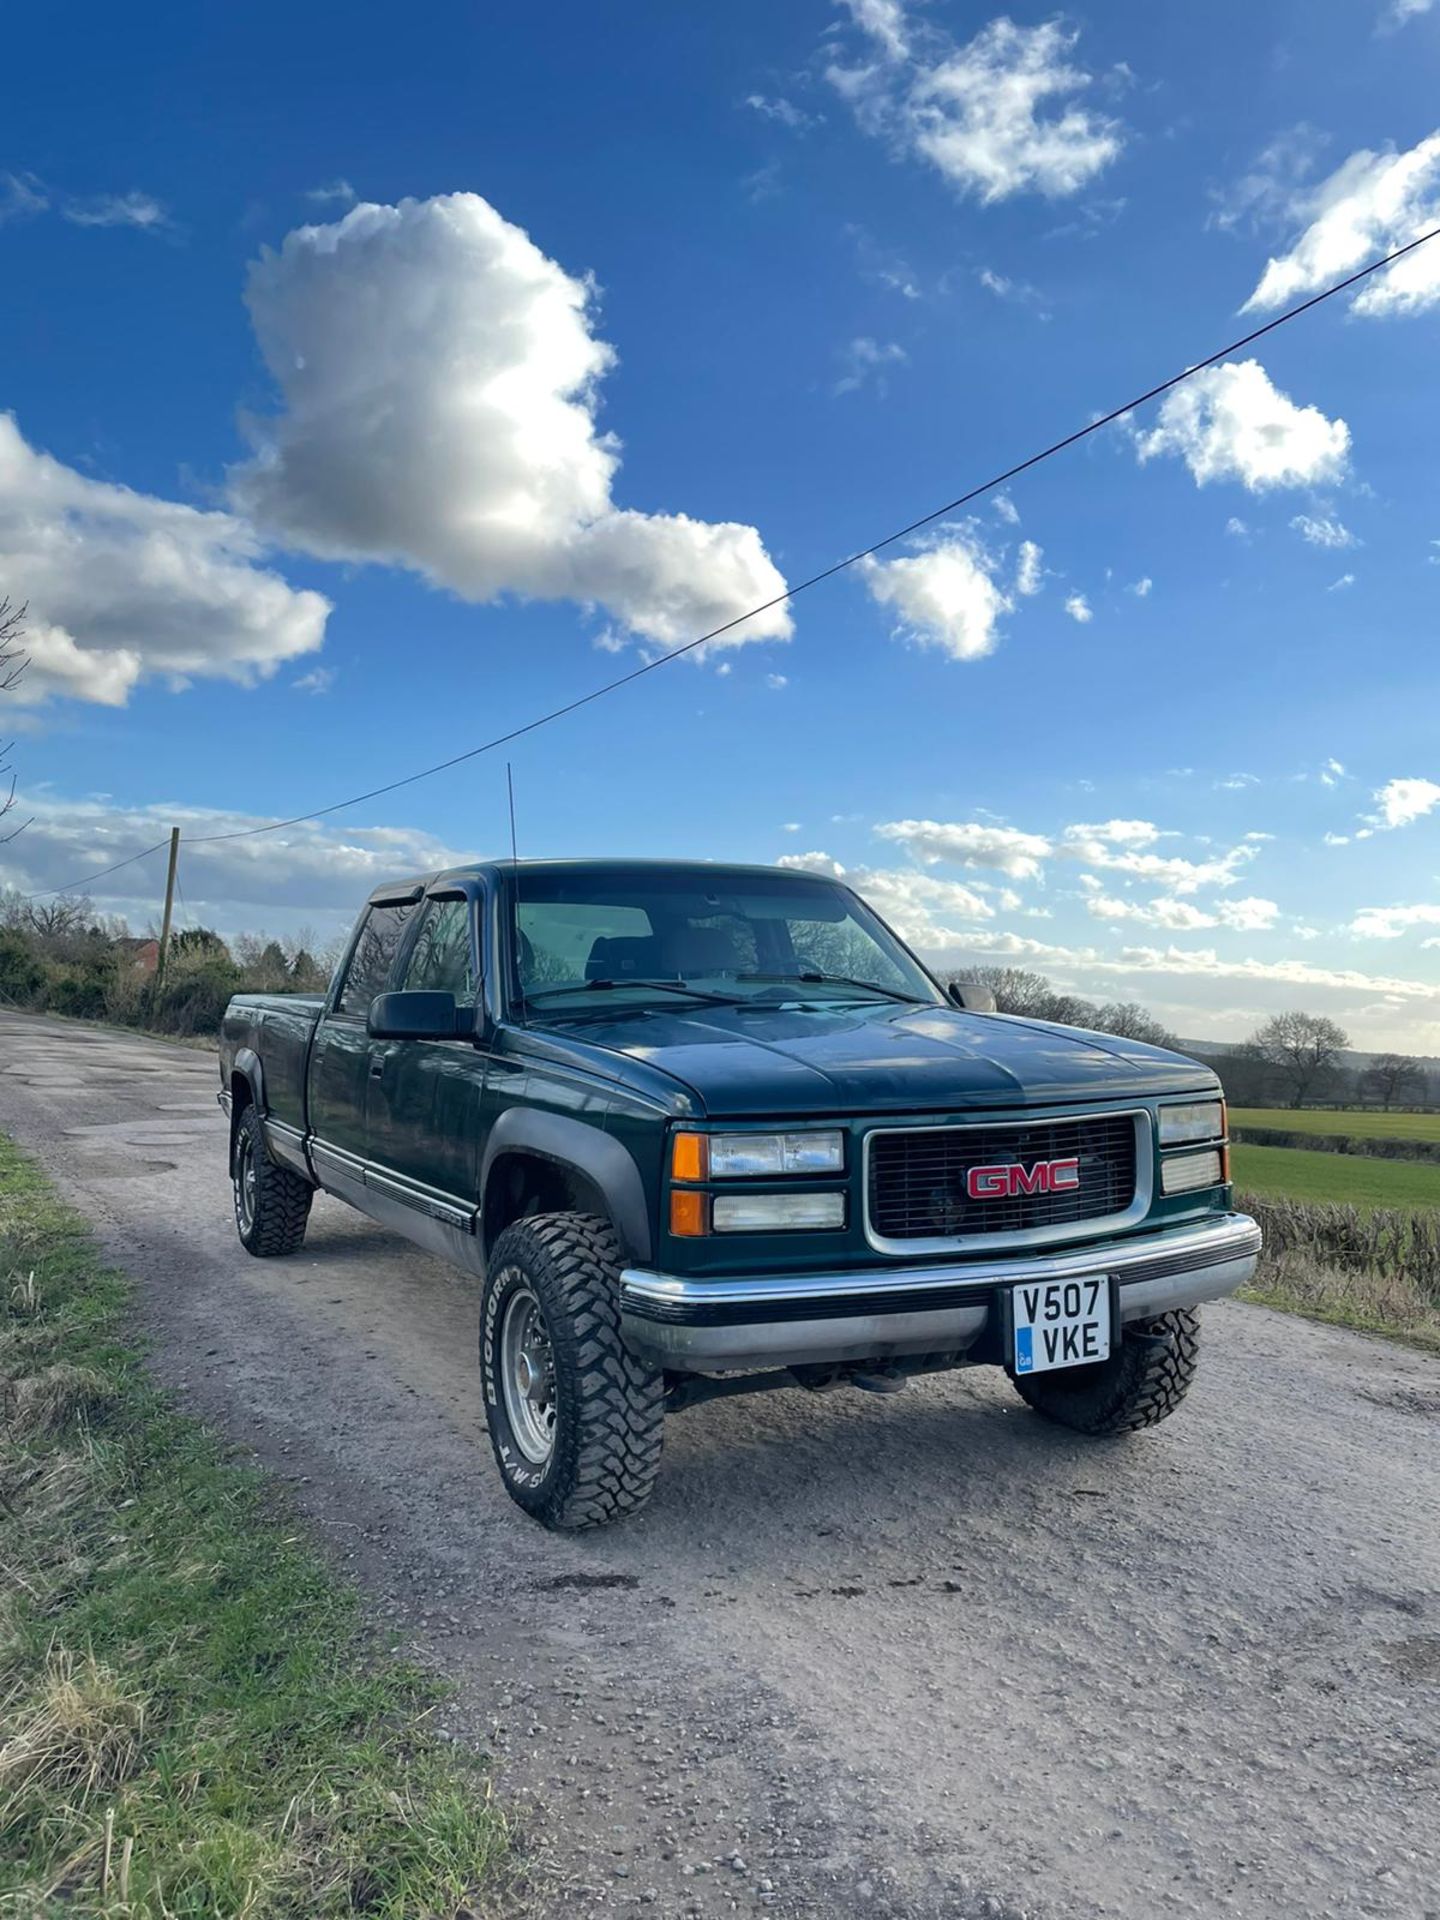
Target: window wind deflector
{"x": 811, "y": 979}
{"x": 606, "y": 986}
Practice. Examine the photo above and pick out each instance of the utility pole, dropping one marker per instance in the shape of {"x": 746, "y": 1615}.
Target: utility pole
{"x": 169, "y": 908}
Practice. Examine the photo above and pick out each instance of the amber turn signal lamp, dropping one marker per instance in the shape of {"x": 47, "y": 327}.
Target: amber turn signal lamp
{"x": 1225, "y": 1141}
{"x": 688, "y": 1159}
{"x": 687, "y": 1212}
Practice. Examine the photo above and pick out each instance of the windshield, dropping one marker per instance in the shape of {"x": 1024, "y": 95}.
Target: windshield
{"x": 607, "y": 936}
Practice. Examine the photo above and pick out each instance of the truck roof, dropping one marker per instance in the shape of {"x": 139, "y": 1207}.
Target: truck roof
{"x": 412, "y": 886}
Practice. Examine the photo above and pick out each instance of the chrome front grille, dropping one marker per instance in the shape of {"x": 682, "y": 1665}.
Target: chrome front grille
{"x": 916, "y": 1180}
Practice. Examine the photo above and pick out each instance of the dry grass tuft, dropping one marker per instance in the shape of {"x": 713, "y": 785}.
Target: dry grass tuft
{"x": 59, "y": 1396}
{"x": 76, "y": 1731}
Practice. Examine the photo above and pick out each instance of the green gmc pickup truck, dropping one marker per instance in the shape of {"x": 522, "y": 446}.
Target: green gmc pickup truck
{"x": 702, "y": 1130}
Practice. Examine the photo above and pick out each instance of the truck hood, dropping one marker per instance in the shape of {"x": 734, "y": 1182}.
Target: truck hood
{"x": 879, "y": 1058}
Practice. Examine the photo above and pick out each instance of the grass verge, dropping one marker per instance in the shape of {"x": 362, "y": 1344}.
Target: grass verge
{"x": 1339, "y": 1121}
{"x": 1341, "y": 1179}
{"x": 1377, "y": 1273}
{"x": 193, "y": 1721}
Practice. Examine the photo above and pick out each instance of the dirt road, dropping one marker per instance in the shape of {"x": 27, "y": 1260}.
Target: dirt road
{"x": 913, "y": 1656}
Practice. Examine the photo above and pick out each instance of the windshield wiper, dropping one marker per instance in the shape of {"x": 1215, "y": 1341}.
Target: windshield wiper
{"x": 809, "y": 978}
{"x": 606, "y": 986}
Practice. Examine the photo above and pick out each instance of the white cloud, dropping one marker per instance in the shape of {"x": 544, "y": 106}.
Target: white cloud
{"x": 1231, "y": 423}
{"x": 337, "y": 193}
{"x": 945, "y": 597}
{"x": 1123, "y": 833}
{"x": 922, "y": 909}
{"x": 439, "y": 376}
{"x": 1029, "y": 568}
{"x": 1336, "y": 839}
{"x": 775, "y": 681}
{"x": 1403, "y": 801}
{"x": 996, "y": 117}
{"x": 1339, "y": 584}
{"x": 971, "y": 844}
{"x": 1195, "y": 963}
{"x": 116, "y": 210}
{"x": 865, "y": 359}
{"x": 1370, "y": 205}
{"x": 1251, "y": 915}
{"x": 784, "y": 112}
{"x": 1141, "y": 587}
{"x": 791, "y": 826}
{"x": 1323, "y": 530}
{"x": 123, "y": 586}
{"x": 1331, "y": 774}
{"x": 1402, "y": 10}
{"x": 22, "y": 196}
{"x": 1006, "y": 509}
{"x": 1079, "y": 608}
{"x": 317, "y": 872}
{"x": 1388, "y": 923}
{"x": 318, "y": 680}
{"x": 1237, "y": 528}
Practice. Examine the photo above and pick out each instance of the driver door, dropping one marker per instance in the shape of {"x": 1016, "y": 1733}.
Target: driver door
{"x": 423, "y": 1115}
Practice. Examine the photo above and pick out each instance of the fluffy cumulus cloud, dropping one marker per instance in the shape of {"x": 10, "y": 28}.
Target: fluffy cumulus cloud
{"x": 947, "y": 596}
{"x": 999, "y": 116}
{"x": 1370, "y": 205}
{"x": 1401, "y": 802}
{"x": 314, "y": 873}
{"x": 1232, "y": 423}
{"x": 1388, "y": 923}
{"x": 440, "y": 384}
{"x": 1029, "y": 568}
{"x": 1252, "y": 915}
{"x": 122, "y": 586}
{"x": 1079, "y": 608}
{"x": 1113, "y": 846}
{"x": 1323, "y": 530}
{"x": 922, "y": 909}
{"x": 971, "y": 844}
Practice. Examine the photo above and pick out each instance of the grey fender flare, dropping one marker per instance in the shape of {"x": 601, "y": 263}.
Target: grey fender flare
{"x": 599, "y": 1157}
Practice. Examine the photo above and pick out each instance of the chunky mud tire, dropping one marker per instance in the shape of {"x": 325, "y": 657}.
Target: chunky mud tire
{"x": 1139, "y": 1386}
{"x": 550, "y": 1328}
{"x": 272, "y": 1205}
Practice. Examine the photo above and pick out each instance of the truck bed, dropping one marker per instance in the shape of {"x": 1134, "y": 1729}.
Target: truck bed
{"x": 278, "y": 1029}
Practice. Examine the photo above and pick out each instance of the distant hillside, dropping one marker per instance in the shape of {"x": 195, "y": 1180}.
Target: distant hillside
{"x": 1352, "y": 1061}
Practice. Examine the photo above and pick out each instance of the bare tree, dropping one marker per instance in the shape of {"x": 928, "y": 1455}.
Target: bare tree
{"x": 13, "y": 662}
{"x": 1130, "y": 1021}
{"x": 1393, "y": 1076}
{"x": 1303, "y": 1049}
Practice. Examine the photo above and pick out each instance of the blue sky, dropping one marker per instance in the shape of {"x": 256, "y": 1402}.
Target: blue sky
{"x": 373, "y": 388}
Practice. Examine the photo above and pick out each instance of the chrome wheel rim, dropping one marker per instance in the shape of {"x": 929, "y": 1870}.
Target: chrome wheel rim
{"x": 246, "y": 1178}
{"x": 527, "y": 1375}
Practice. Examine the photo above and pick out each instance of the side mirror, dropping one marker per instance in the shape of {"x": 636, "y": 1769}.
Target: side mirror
{"x": 970, "y": 995}
{"x": 418, "y": 1016}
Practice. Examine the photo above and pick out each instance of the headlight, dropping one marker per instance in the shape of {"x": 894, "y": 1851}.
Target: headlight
{"x": 736, "y": 1156}
{"x": 777, "y": 1212}
{"x": 1189, "y": 1172}
{"x": 1198, "y": 1120}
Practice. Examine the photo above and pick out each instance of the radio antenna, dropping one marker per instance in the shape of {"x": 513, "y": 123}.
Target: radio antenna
{"x": 510, "y": 789}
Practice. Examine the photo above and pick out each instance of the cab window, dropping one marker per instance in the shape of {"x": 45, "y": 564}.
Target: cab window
{"x": 374, "y": 955}
{"x": 440, "y": 960}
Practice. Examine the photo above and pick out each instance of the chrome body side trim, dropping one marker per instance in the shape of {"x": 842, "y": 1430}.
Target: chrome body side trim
{"x": 1129, "y": 1216}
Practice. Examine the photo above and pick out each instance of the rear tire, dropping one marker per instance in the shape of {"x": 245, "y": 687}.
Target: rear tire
{"x": 575, "y": 1420}
{"x": 272, "y": 1205}
{"x": 1139, "y": 1386}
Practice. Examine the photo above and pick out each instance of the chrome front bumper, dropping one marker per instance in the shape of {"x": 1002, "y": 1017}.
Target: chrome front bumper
{"x": 877, "y": 1314}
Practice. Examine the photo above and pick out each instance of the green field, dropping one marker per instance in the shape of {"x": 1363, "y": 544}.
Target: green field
{"x": 1324, "y": 1120}
{"x": 1348, "y": 1179}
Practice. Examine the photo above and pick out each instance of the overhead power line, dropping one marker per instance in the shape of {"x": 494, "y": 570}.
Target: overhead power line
{"x": 800, "y": 586}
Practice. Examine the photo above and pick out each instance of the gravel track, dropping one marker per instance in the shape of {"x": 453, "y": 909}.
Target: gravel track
{"x": 914, "y": 1656}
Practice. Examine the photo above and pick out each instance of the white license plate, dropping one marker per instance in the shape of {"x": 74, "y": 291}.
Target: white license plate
{"x": 1061, "y": 1323}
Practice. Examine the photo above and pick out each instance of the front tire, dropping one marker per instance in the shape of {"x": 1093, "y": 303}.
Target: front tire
{"x": 1138, "y": 1386}
{"x": 575, "y": 1420}
{"x": 272, "y": 1205}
